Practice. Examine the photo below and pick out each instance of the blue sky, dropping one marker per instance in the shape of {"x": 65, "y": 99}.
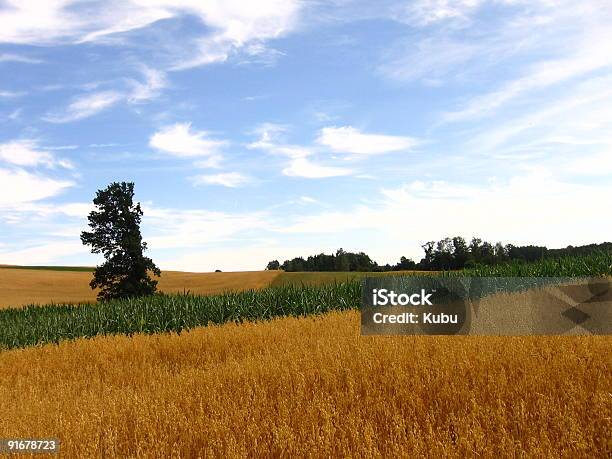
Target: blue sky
{"x": 278, "y": 128}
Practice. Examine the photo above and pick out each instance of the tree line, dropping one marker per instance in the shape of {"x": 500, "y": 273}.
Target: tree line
{"x": 340, "y": 261}
{"x": 446, "y": 254}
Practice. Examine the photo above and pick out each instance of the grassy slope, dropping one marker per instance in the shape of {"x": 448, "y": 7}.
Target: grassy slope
{"x": 312, "y": 387}
{"x": 19, "y": 287}
{"x": 36, "y": 285}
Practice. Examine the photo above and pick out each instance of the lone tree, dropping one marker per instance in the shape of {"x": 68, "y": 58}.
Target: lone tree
{"x": 115, "y": 226}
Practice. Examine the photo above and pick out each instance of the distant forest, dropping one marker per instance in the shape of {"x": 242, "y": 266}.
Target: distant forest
{"x": 446, "y": 254}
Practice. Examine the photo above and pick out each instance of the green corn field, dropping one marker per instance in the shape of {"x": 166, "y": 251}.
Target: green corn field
{"x": 592, "y": 265}
{"x": 34, "y": 325}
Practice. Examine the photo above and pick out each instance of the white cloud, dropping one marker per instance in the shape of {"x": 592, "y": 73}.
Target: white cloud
{"x": 348, "y": 139}
{"x": 28, "y": 153}
{"x": 6, "y": 57}
{"x": 59, "y": 21}
{"x": 11, "y": 94}
{"x": 240, "y": 25}
{"x": 180, "y": 140}
{"x": 86, "y": 106}
{"x": 270, "y": 141}
{"x": 301, "y": 158}
{"x": 303, "y": 167}
{"x": 19, "y": 186}
{"x": 227, "y": 179}
{"x": 230, "y": 24}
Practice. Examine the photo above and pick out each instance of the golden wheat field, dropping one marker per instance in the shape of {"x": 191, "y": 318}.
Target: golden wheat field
{"x": 19, "y": 287}
{"x": 312, "y": 387}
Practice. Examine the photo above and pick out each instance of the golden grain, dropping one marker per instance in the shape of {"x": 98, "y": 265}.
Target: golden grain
{"x": 312, "y": 387}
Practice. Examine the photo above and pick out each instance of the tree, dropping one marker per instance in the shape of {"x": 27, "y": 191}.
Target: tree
{"x": 405, "y": 264}
{"x": 443, "y": 255}
{"x": 500, "y": 253}
{"x": 342, "y": 262}
{"x": 476, "y": 250}
{"x": 115, "y": 226}
{"x": 427, "y": 261}
{"x": 460, "y": 253}
{"x": 274, "y": 265}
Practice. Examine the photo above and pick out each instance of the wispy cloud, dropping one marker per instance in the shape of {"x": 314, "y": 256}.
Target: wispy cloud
{"x": 85, "y": 106}
{"x": 426, "y": 12}
{"x": 226, "y": 179}
{"x": 15, "y": 114}
{"x": 6, "y": 57}
{"x": 29, "y": 154}
{"x": 11, "y": 94}
{"x": 308, "y": 200}
{"x": 585, "y": 112}
{"x": 104, "y": 145}
{"x": 593, "y": 53}
{"x": 44, "y": 253}
{"x": 429, "y": 60}
{"x": 533, "y": 42}
{"x": 92, "y": 103}
{"x": 150, "y": 88}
